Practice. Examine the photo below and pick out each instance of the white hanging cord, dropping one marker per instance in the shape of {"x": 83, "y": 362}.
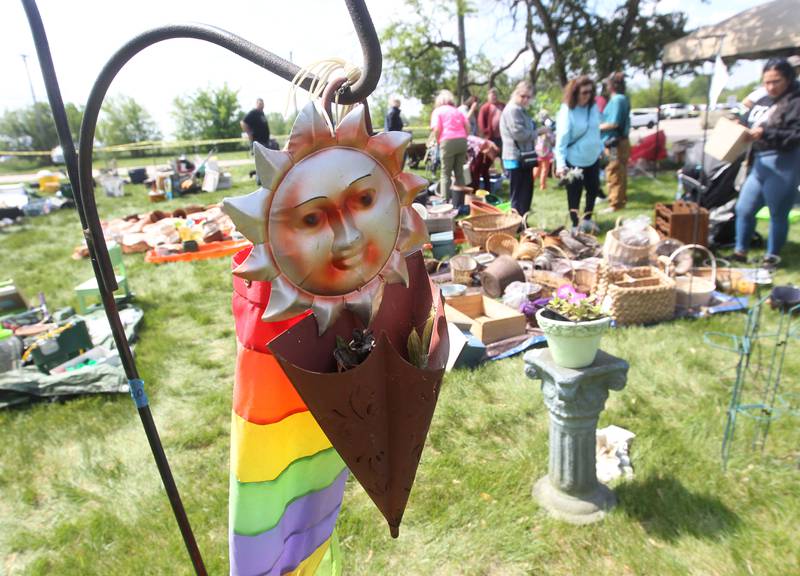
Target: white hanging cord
{"x": 324, "y": 71}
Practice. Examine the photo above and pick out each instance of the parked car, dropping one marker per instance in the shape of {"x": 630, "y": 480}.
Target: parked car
{"x": 675, "y": 110}
{"x": 643, "y": 117}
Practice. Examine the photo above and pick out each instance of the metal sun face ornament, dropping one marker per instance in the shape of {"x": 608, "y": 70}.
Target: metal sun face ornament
{"x": 332, "y": 222}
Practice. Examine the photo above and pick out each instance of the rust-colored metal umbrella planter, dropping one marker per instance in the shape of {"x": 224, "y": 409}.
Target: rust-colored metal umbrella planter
{"x": 376, "y": 414}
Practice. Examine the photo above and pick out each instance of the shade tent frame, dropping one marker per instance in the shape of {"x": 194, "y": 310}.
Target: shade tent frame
{"x": 771, "y": 29}
{"x": 720, "y": 40}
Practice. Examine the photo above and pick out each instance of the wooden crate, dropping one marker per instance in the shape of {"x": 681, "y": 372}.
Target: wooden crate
{"x": 490, "y": 321}
{"x": 684, "y": 221}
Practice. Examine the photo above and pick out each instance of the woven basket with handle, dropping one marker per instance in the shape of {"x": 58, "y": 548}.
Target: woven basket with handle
{"x": 501, "y": 244}
{"x": 477, "y": 229}
{"x": 640, "y": 295}
{"x": 618, "y": 253}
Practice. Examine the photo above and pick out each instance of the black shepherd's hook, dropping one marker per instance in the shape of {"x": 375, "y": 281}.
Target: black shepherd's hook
{"x": 79, "y": 170}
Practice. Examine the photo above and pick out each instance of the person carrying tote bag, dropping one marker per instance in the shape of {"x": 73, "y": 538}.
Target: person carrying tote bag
{"x": 578, "y": 149}
{"x": 518, "y": 133}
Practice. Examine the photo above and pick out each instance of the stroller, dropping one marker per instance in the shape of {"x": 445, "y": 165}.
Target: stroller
{"x": 712, "y": 184}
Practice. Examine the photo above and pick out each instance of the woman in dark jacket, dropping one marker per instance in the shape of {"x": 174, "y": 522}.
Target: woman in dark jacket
{"x": 774, "y": 129}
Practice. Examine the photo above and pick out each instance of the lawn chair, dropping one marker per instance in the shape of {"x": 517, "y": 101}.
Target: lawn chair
{"x": 89, "y": 288}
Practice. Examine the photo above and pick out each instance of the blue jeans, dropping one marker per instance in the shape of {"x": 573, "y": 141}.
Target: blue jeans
{"x": 773, "y": 181}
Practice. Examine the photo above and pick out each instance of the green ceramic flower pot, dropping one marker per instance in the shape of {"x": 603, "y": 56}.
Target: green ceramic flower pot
{"x": 573, "y": 344}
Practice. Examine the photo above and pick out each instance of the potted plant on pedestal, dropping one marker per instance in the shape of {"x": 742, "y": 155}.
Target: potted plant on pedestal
{"x": 573, "y": 324}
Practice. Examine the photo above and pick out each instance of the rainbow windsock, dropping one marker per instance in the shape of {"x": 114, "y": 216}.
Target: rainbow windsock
{"x": 286, "y": 481}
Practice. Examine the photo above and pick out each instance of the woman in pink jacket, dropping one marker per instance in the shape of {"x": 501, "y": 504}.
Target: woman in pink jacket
{"x": 450, "y": 128}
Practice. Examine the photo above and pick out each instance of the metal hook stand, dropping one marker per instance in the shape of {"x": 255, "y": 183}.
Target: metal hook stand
{"x": 79, "y": 170}
{"x": 333, "y": 93}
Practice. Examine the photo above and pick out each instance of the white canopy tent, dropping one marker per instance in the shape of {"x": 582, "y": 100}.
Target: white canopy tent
{"x": 770, "y": 29}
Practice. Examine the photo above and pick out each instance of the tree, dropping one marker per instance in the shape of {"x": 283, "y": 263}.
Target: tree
{"x": 582, "y": 40}
{"x": 123, "y": 121}
{"x": 278, "y": 125}
{"x": 418, "y": 59}
{"x": 208, "y": 114}
{"x": 32, "y": 128}
{"x": 648, "y": 97}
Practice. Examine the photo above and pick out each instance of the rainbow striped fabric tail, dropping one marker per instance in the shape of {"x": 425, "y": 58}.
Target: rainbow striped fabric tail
{"x": 286, "y": 481}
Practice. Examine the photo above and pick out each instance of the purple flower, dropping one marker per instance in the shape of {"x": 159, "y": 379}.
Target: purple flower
{"x": 565, "y": 291}
{"x": 568, "y": 292}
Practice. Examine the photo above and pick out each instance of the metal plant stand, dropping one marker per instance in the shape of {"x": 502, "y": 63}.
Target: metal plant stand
{"x": 759, "y": 369}
{"x": 79, "y": 169}
{"x": 575, "y": 398}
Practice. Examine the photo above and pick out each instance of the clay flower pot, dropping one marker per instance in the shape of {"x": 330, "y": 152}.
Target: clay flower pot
{"x": 376, "y": 414}
{"x": 572, "y": 344}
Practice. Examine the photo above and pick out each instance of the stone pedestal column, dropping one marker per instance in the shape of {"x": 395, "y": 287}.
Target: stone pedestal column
{"x": 574, "y": 398}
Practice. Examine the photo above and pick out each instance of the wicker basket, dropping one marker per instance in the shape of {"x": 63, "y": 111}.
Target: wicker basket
{"x": 528, "y": 249}
{"x": 462, "y": 267}
{"x": 501, "y": 244}
{"x": 587, "y": 274}
{"x": 477, "y": 229}
{"x": 641, "y": 295}
{"x": 617, "y": 253}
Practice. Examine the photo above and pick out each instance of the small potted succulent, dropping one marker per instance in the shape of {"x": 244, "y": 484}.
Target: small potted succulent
{"x": 573, "y": 324}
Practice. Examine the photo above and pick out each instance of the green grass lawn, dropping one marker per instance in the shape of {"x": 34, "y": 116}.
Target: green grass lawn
{"x": 80, "y": 493}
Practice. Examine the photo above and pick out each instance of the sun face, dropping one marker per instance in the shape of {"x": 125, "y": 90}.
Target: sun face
{"x": 332, "y": 221}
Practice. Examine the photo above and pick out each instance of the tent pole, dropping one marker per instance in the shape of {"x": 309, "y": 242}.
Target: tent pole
{"x": 705, "y": 122}
{"x": 658, "y": 116}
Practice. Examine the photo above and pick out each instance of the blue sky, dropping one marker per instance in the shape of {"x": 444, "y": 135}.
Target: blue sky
{"x": 302, "y": 28}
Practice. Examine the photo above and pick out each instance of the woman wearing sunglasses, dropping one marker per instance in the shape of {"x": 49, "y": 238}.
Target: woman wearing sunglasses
{"x": 518, "y": 132}
{"x": 578, "y": 145}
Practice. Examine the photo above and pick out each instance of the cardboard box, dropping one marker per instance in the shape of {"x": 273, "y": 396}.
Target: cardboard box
{"x": 727, "y": 141}
{"x": 490, "y": 321}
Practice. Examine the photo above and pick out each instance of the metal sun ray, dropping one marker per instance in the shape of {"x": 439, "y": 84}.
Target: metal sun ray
{"x": 352, "y": 130}
{"x": 248, "y": 213}
{"x": 396, "y": 270}
{"x": 389, "y": 148}
{"x": 285, "y": 301}
{"x": 259, "y": 265}
{"x": 413, "y": 232}
{"x": 271, "y": 165}
{"x": 327, "y": 310}
{"x": 366, "y": 302}
{"x": 408, "y": 186}
{"x": 311, "y": 132}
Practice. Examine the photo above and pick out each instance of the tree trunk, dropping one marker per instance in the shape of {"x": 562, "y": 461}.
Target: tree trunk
{"x": 551, "y": 32}
{"x": 533, "y": 71}
{"x": 625, "y": 36}
{"x": 463, "y": 93}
